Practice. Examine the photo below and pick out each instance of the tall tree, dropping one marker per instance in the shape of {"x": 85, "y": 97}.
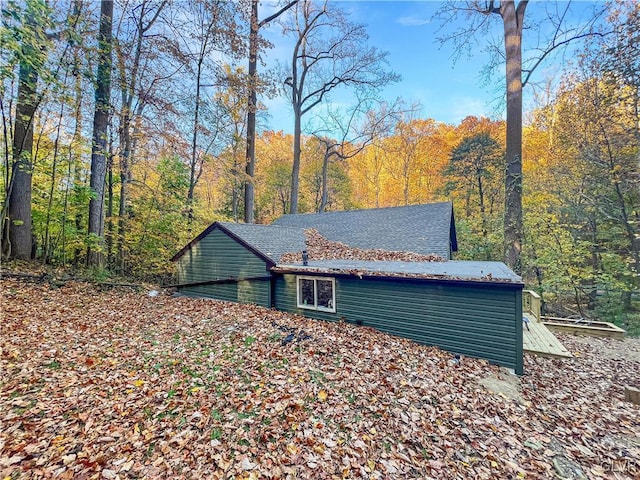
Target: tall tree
{"x": 512, "y": 14}
{"x": 582, "y": 218}
{"x": 99, "y": 149}
{"x": 252, "y": 104}
{"x": 31, "y": 55}
{"x": 329, "y": 52}
{"x": 56, "y": 93}
{"x": 621, "y": 67}
{"x": 206, "y": 38}
{"x": 513, "y": 19}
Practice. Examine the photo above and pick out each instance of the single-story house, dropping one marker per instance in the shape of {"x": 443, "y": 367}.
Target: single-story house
{"x": 466, "y": 307}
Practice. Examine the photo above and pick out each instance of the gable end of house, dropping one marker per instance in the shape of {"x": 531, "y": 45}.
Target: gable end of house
{"x": 218, "y": 226}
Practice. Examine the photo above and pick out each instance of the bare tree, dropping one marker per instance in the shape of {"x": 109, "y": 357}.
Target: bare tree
{"x": 329, "y": 52}
{"x": 204, "y": 31}
{"x": 252, "y": 104}
{"x": 347, "y": 133}
{"x": 207, "y": 24}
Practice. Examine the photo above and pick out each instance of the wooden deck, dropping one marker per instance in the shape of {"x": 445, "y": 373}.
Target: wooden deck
{"x": 592, "y": 329}
{"x": 539, "y": 340}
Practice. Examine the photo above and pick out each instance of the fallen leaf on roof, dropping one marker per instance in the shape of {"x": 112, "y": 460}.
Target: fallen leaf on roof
{"x": 319, "y": 248}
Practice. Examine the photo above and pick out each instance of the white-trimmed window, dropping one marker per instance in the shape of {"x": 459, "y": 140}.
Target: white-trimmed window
{"x": 317, "y": 293}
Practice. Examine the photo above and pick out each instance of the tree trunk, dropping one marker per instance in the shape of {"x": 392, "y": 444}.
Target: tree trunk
{"x": 125, "y": 178}
{"x": 75, "y": 140}
{"x": 324, "y": 199}
{"x": 252, "y": 105}
{"x": 47, "y": 253}
{"x": 483, "y": 216}
{"x": 376, "y": 178}
{"x": 512, "y": 18}
{"x": 627, "y": 223}
{"x": 110, "y": 229}
{"x": 100, "y": 127}
{"x": 405, "y": 184}
{"x": 194, "y": 146}
{"x": 74, "y": 160}
{"x": 235, "y": 197}
{"x": 122, "y": 213}
{"x": 128, "y": 91}
{"x": 236, "y": 183}
{"x": 249, "y": 190}
{"x": 595, "y": 263}
{"x": 19, "y": 198}
{"x": 625, "y": 299}
{"x": 74, "y": 143}
{"x": 295, "y": 171}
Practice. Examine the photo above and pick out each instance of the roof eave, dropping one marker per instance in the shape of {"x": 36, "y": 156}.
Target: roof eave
{"x": 199, "y": 237}
{"x": 292, "y": 269}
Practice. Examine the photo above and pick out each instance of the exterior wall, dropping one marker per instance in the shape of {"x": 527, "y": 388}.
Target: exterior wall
{"x": 219, "y": 257}
{"x": 480, "y": 320}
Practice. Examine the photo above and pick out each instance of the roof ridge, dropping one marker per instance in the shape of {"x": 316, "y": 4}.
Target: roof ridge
{"x": 269, "y": 225}
{"x": 369, "y": 209}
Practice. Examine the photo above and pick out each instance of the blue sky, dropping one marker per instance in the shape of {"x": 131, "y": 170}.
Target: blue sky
{"x": 448, "y": 90}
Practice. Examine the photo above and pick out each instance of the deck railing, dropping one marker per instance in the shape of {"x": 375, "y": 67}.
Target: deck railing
{"x": 531, "y": 303}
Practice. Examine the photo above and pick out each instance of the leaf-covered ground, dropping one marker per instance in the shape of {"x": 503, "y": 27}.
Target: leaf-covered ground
{"x": 117, "y": 384}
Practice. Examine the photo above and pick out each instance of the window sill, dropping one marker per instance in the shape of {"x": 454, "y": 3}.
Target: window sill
{"x": 317, "y": 309}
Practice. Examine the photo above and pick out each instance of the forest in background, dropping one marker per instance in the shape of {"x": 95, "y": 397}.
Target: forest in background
{"x": 176, "y": 109}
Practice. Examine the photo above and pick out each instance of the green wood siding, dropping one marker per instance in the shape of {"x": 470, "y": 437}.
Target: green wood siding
{"x": 219, "y": 257}
{"x": 477, "y": 320}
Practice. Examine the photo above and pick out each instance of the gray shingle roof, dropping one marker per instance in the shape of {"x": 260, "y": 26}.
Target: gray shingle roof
{"x": 451, "y": 270}
{"x": 268, "y": 241}
{"x": 271, "y": 240}
{"x": 426, "y": 229}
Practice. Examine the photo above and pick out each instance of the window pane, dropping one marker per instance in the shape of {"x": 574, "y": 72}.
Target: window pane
{"x": 325, "y": 294}
{"x": 306, "y": 292}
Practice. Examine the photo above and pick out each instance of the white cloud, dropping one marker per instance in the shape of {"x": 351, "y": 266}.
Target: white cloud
{"x": 412, "y": 21}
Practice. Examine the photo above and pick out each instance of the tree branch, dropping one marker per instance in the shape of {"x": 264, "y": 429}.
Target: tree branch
{"x": 553, "y": 47}
{"x": 277, "y": 14}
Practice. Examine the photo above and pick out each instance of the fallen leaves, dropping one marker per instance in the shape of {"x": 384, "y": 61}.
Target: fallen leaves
{"x": 116, "y": 384}
{"x": 319, "y": 248}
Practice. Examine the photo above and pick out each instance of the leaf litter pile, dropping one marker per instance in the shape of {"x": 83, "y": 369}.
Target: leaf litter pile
{"x": 320, "y": 248}
{"x": 118, "y": 384}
